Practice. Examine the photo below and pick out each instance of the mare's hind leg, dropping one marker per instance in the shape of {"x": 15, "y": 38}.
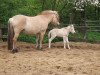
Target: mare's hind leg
{"x": 14, "y": 50}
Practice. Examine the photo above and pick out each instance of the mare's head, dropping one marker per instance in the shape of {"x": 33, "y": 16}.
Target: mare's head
{"x": 71, "y": 28}
{"x": 54, "y": 16}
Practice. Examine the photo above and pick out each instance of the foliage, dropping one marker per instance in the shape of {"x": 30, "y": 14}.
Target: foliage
{"x": 9, "y": 8}
{"x": 70, "y": 11}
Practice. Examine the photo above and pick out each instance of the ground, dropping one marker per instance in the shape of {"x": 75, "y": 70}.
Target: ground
{"x": 81, "y": 59}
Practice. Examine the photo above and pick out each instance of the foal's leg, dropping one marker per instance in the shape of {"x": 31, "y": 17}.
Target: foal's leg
{"x": 67, "y": 43}
{"x": 64, "y": 40}
{"x": 50, "y": 40}
{"x": 14, "y": 42}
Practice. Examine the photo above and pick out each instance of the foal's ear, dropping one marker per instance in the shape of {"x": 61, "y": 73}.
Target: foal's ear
{"x": 72, "y": 25}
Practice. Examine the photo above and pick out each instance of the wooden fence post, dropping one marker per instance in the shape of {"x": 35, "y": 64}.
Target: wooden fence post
{"x": 0, "y": 33}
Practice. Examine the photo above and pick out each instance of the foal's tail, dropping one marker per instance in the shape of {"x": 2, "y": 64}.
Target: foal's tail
{"x": 10, "y": 34}
{"x": 49, "y": 34}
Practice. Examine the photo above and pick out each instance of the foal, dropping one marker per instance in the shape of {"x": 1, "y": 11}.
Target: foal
{"x": 63, "y": 32}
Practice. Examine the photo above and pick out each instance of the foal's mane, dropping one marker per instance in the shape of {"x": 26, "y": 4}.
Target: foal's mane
{"x": 68, "y": 26}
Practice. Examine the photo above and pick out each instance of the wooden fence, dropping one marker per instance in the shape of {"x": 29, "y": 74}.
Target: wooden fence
{"x": 3, "y": 32}
{"x": 91, "y": 26}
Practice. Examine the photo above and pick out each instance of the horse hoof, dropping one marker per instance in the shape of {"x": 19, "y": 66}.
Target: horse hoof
{"x": 14, "y": 50}
{"x": 37, "y": 47}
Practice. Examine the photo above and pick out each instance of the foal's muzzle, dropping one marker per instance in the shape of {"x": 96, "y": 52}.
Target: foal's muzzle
{"x": 73, "y": 32}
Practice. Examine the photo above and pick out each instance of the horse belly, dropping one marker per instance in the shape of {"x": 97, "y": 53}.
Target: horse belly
{"x": 60, "y": 33}
{"x": 34, "y": 26}
{"x": 30, "y": 31}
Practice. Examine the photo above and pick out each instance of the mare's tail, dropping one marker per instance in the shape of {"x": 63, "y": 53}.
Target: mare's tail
{"x": 10, "y": 34}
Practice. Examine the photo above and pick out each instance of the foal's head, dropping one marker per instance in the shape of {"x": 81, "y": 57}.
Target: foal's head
{"x": 71, "y": 28}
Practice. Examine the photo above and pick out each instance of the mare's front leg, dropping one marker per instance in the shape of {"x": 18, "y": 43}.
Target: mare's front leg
{"x": 41, "y": 39}
{"x": 67, "y": 42}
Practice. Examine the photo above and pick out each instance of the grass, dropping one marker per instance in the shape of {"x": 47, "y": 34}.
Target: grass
{"x": 91, "y": 37}
{"x": 25, "y": 38}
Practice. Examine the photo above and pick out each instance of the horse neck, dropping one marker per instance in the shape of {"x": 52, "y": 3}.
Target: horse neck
{"x": 67, "y": 29}
{"x": 48, "y": 17}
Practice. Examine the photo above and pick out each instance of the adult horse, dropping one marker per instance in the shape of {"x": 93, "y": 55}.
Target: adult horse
{"x": 30, "y": 25}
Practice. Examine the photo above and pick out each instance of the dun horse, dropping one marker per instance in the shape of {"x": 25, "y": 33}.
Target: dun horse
{"x": 30, "y": 25}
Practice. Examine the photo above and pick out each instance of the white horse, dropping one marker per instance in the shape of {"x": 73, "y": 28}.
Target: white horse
{"x": 30, "y": 25}
{"x": 63, "y": 32}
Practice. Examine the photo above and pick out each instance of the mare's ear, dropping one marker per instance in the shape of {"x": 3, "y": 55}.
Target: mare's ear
{"x": 55, "y": 12}
{"x": 72, "y": 25}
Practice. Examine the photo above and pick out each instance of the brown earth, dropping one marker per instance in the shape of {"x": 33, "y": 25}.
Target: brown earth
{"x": 82, "y": 59}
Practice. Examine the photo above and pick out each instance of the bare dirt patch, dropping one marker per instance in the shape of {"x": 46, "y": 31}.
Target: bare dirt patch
{"x": 82, "y": 59}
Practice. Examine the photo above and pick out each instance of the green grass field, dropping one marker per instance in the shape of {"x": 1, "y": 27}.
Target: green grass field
{"x": 91, "y": 37}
